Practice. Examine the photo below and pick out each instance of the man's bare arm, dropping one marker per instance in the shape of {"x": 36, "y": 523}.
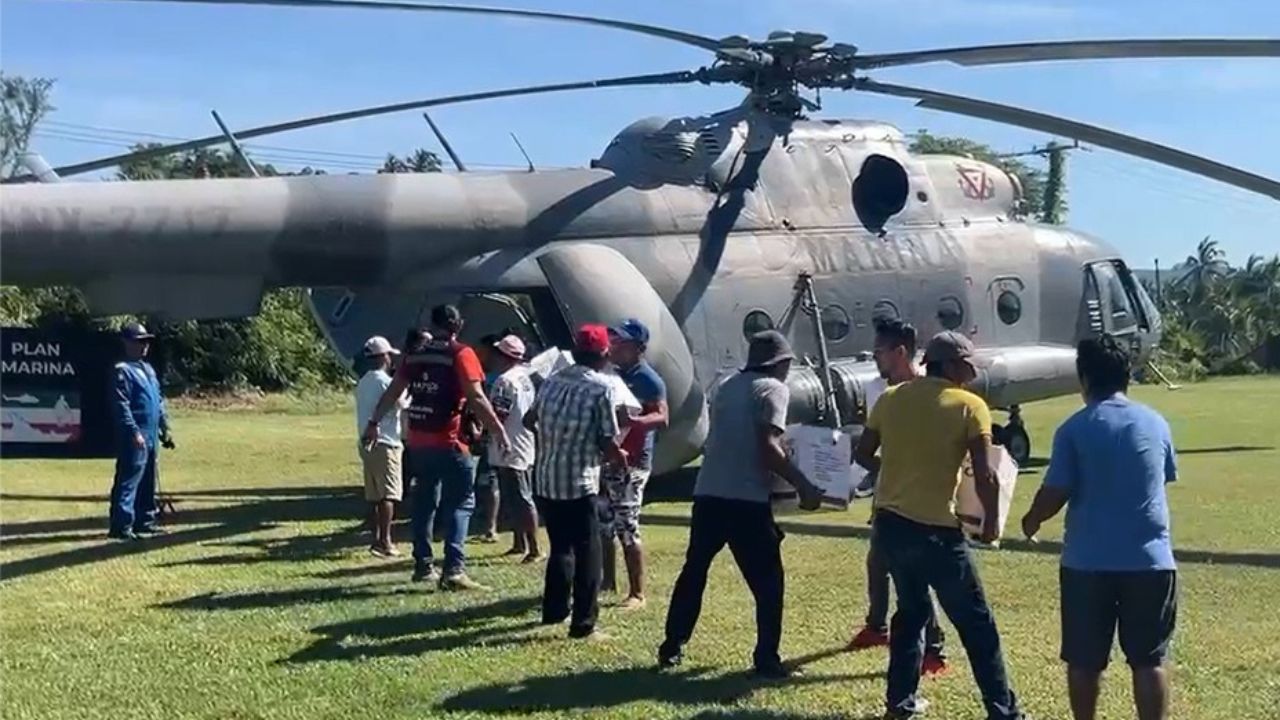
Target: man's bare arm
{"x": 774, "y": 458}
{"x": 1048, "y": 502}
{"x": 985, "y": 484}
{"x": 390, "y": 399}
{"x": 483, "y": 410}
{"x": 655, "y": 415}
{"x": 865, "y": 453}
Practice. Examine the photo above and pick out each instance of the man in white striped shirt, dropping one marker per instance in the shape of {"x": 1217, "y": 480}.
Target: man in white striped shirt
{"x": 577, "y": 429}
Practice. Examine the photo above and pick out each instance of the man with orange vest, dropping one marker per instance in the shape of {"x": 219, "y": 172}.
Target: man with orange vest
{"x": 443, "y": 377}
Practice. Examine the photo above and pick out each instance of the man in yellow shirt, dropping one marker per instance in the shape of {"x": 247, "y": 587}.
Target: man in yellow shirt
{"x": 922, "y": 429}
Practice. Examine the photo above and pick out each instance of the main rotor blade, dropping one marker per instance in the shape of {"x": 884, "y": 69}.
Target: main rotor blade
{"x": 1069, "y": 128}
{"x": 1075, "y": 50}
{"x": 700, "y": 41}
{"x": 671, "y": 78}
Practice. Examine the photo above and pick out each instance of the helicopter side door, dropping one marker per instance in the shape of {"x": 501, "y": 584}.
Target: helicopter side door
{"x": 597, "y": 284}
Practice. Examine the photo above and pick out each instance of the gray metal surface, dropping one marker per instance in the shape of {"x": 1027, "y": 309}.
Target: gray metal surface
{"x": 691, "y": 224}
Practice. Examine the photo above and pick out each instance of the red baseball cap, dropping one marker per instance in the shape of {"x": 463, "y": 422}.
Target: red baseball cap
{"x": 593, "y": 339}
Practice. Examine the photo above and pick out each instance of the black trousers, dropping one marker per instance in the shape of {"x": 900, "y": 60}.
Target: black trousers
{"x": 573, "y": 568}
{"x": 756, "y": 543}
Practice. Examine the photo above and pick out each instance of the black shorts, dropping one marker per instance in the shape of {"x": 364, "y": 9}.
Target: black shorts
{"x": 1143, "y": 604}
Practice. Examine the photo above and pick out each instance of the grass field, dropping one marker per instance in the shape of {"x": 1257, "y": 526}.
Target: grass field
{"x": 262, "y": 601}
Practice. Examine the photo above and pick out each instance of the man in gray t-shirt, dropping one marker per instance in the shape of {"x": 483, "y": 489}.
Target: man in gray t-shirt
{"x": 731, "y": 501}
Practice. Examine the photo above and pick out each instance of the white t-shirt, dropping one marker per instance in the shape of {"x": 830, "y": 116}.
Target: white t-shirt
{"x": 368, "y": 392}
{"x": 874, "y": 390}
{"x": 512, "y": 395}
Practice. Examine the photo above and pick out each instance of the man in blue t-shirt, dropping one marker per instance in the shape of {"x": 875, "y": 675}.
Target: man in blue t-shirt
{"x": 1110, "y": 464}
{"x": 624, "y": 488}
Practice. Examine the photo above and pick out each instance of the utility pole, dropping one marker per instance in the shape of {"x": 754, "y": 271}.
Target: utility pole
{"x": 1053, "y": 206}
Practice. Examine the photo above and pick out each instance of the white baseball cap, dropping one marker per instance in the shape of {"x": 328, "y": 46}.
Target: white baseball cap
{"x": 511, "y": 346}
{"x": 378, "y": 345}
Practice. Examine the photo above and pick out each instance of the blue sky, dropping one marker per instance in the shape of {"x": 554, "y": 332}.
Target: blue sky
{"x": 159, "y": 68}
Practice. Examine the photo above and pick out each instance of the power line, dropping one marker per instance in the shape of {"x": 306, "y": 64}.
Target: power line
{"x": 112, "y": 137}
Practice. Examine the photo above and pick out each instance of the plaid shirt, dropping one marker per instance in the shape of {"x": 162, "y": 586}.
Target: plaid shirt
{"x": 575, "y": 413}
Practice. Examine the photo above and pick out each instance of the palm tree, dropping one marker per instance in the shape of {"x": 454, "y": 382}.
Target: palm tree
{"x": 1204, "y": 268}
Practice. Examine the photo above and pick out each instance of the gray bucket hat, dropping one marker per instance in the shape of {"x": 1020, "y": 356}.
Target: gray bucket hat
{"x": 768, "y": 348}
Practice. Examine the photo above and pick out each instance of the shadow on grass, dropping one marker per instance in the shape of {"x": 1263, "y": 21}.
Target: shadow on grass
{"x": 190, "y": 525}
{"x": 412, "y": 634}
{"x": 212, "y": 601}
{"x": 1226, "y": 449}
{"x": 1043, "y": 547}
{"x": 596, "y": 690}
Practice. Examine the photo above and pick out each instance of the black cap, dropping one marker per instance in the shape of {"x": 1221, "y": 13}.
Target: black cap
{"x": 446, "y": 317}
{"x": 768, "y": 348}
{"x": 135, "y": 331}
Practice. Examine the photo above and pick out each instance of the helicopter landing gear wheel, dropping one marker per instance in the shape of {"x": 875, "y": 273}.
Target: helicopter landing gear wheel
{"x": 1013, "y": 437}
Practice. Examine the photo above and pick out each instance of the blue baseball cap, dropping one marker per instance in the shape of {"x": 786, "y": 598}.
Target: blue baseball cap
{"x": 631, "y": 330}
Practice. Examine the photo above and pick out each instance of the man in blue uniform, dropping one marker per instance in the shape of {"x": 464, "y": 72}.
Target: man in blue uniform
{"x": 141, "y": 425}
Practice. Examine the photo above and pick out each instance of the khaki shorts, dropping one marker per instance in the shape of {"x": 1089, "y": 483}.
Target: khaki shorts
{"x": 382, "y": 479}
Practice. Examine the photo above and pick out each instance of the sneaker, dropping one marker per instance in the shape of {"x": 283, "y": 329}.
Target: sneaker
{"x": 425, "y": 572}
{"x": 460, "y": 581}
{"x": 485, "y": 539}
{"x": 149, "y": 530}
{"x": 532, "y": 558}
{"x": 126, "y": 535}
{"x": 668, "y": 660}
{"x": 868, "y": 637}
{"x": 513, "y": 552}
{"x": 774, "y": 671}
{"x": 632, "y": 603}
{"x": 921, "y": 706}
{"x": 933, "y": 665}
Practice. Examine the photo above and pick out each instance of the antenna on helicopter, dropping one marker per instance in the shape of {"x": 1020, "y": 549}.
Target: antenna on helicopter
{"x": 457, "y": 161}
{"x": 522, "y": 152}
{"x": 36, "y": 164}
{"x": 235, "y": 145}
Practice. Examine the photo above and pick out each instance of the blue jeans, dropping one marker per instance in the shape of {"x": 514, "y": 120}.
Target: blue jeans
{"x": 923, "y": 556}
{"x": 133, "y": 493}
{"x": 447, "y": 479}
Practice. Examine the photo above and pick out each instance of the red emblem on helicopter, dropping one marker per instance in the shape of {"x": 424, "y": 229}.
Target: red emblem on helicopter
{"x": 975, "y": 184}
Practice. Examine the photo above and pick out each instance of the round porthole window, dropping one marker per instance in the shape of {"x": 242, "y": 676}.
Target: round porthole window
{"x": 756, "y": 321}
{"x": 950, "y": 313}
{"x": 1009, "y": 307}
{"x": 883, "y": 312}
{"x": 835, "y": 323}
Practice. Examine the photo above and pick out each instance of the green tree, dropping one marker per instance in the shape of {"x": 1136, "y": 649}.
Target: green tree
{"x": 1031, "y": 179}
{"x": 418, "y": 161}
{"x": 1053, "y": 207}
{"x": 24, "y": 102}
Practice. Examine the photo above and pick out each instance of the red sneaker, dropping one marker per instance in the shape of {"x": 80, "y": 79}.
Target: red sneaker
{"x": 868, "y": 637}
{"x": 933, "y": 665}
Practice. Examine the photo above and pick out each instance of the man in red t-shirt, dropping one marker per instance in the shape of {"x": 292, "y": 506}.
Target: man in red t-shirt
{"x": 442, "y": 378}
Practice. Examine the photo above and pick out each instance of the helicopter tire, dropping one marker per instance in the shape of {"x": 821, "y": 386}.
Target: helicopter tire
{"x": 1013, "y": 438}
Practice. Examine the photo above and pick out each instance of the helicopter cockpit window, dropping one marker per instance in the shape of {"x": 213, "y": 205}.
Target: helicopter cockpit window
{"x": 880, "y": 191}
{"x": 1111, "y": 288}
{"x": 756, "y": 321}
{"x": 835, "y": 323}
{"x": 950, "y": 313}
{"x": 1009, "y": 307}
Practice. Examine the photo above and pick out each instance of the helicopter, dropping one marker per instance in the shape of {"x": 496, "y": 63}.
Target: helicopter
{"x": 708, "y": 228}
